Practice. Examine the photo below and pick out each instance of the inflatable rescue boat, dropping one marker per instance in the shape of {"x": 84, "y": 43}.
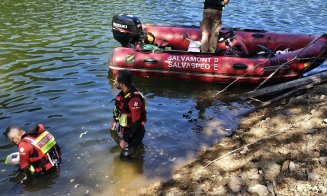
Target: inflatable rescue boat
{"x": 242, "y": 56}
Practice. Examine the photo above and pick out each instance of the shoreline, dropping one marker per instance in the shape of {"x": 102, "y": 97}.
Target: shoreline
{"x": 277, "y": 150}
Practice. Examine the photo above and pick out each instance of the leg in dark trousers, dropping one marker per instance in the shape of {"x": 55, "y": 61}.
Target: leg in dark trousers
{"x": 133, "y": 144}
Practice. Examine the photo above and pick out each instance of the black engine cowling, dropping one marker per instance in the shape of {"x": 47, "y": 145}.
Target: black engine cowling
{"x": 126, "y": 29}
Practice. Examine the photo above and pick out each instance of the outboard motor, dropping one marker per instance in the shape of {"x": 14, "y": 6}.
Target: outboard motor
{"x": 127, "y": 29}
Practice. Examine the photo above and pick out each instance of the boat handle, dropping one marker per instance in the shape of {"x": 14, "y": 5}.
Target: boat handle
{"x": 151, "y": 60}
{"x": 258, "y": 35}
{"x": 240, "y": 66}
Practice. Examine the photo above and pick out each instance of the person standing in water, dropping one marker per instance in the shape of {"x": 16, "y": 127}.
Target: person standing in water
{"x": 129, "y": 115}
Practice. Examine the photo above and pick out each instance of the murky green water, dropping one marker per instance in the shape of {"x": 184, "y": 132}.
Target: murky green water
{"x": 53, "y": 69}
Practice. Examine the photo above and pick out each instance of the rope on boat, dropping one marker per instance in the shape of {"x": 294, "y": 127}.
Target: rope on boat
{"x": 290, "y": 61}
{"x": 280, "y": 66}
{"x": 242, "y": 76}
{"x": 295, "y": 58}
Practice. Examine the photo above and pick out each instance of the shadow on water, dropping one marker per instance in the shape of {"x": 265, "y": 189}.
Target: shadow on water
{"x": 177, "y": 88}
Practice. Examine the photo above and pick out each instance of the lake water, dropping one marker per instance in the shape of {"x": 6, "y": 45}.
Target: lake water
{"x": 53, "y": 70}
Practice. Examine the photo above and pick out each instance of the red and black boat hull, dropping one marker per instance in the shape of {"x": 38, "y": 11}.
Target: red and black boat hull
{"x": 305, "y": 52}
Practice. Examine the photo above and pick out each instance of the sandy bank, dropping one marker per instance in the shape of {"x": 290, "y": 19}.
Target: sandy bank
{"x": 279, "y": 150}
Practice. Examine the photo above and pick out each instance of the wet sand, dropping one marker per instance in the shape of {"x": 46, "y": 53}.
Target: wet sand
{"x": 278, "y": 150}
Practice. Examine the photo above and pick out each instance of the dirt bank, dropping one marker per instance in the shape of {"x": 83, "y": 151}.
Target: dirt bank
{"x": 279, "y": 150}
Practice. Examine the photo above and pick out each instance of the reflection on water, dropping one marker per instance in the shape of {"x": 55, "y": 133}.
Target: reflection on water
{"x": 53, "y": 69}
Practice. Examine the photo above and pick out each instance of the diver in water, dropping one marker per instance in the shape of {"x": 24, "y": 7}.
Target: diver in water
{"x": 38, "y": 152}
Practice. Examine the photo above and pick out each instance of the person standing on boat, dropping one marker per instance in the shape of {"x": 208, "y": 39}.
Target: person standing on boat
{"x": 129, "y": 114}
{"x": 211, "y": 24}
{"x": 38, "y": 152}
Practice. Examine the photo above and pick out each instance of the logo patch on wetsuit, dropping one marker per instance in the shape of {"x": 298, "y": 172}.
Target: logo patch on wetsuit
{"x": 21, "y": 150}
{"x": 136, "y": 105}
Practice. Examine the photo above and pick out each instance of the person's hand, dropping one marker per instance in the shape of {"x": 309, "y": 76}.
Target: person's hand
{"x": 123, "y": 144}
{"x": 113, "y": 125}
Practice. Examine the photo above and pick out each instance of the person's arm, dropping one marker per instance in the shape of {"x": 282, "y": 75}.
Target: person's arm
{"x": 24, "y": 149}
{"x": 113, "y": 125}
{"x": 135, "y": 105}
{"x": 226, "y": 2}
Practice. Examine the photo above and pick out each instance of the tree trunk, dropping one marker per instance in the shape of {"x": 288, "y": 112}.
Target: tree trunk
{"x": 313, "y": 79}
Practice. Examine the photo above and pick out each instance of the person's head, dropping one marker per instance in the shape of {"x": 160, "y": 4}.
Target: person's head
{"x": 14, "y": 134}
{"x": 123, "y": 79}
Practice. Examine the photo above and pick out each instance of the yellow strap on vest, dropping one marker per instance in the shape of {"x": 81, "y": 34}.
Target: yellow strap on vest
{"x": 32, "y": 170}
{"x": 44, "y": 142}
{"x": 127, "y": 95}
{"x": 123, "y": 120}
